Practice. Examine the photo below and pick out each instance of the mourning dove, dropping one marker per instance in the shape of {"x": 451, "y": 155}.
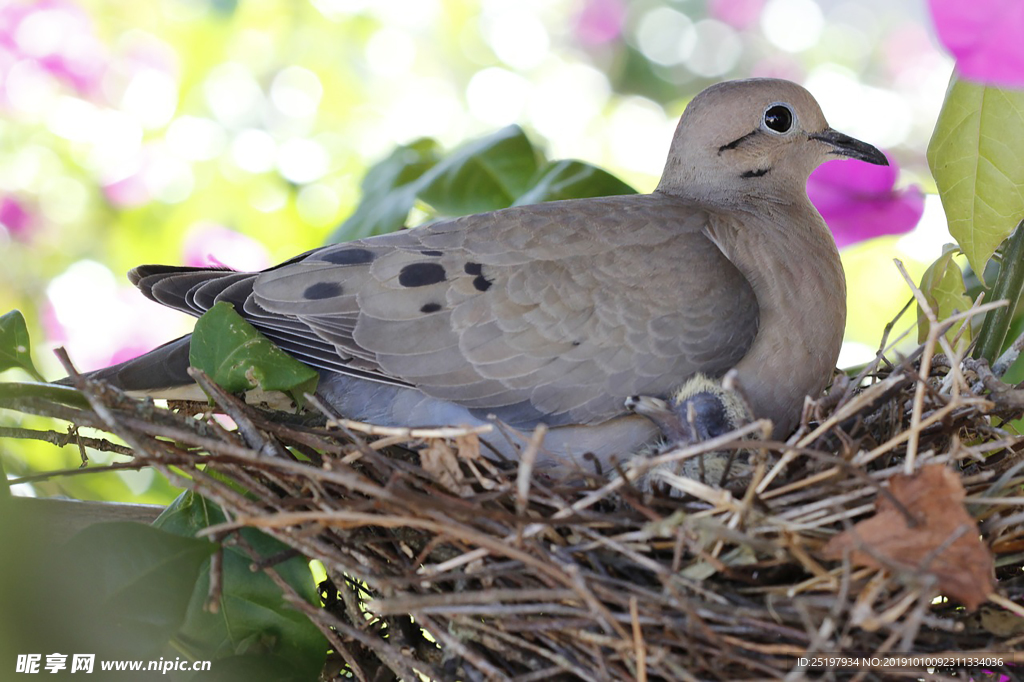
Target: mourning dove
{"x": 699, "y": 410}
{"x": 555, "y": 313}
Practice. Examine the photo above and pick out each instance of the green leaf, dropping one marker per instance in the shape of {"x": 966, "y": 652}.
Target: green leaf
{"x": 1008, "y": 286}
{"x": 977, "y": 157}
{"x": 571, "y": 179}
{"x": 238, "y": 358}
{"x": 15, "y": 347}
{"x": 389, "y": 191}
{"x": 253, "y": 622}
{"x": 483, "y": 175}
{"x": 490, "y": 173}
{"x": 943, "y": 286}
{"x": 134, "y": 582}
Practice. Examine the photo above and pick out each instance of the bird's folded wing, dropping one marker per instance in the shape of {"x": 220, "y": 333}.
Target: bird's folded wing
{"x": 546, "y": 312}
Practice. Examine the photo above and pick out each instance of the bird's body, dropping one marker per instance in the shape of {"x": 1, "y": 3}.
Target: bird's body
{"x": 557, "y": 312}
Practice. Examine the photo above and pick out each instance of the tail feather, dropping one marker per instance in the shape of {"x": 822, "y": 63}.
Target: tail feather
{"x": 162, "y": 368}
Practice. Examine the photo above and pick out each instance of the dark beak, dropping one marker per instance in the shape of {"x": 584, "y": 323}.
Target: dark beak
{"x": 844, "y": 145}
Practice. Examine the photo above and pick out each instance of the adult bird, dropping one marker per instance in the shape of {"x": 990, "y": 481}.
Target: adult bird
{"x": 557, "y": 312}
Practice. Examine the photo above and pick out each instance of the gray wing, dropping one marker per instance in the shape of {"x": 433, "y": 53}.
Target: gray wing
{"x": 554, "y": 312}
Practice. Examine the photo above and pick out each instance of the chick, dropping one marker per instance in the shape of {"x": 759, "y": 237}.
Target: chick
{"x": 701, "y": 409}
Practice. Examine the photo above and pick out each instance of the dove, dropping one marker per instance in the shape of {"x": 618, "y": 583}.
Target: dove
{"x": 555, "y": 313}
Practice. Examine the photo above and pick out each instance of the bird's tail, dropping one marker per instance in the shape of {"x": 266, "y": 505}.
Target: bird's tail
{"x": 157, "y": 371}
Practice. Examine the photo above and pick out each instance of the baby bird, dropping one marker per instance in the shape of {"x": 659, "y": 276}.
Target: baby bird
{"x": 699, "y": 410}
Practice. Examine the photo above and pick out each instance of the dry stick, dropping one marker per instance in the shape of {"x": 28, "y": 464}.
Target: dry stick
{"x": 455, "y": 645}
{"x": 844, "y": 412}
{"x": 252, "y": 436}
{"x": 561, "y": 662}
{"x": 393, "y": 606}
{"x": 1007, "y": 604}
{"x": 934, "y": 332}
{"x": 409, "y": 434}
{"x": 62, "y": 439}
{"x": 525, "y": 472}
{"x": 101, "y": 410}
{"x": 363, "y": 449}
{"x": 348, "y": 519}
{"x": 77, "y": 471}
{"x": 638, "y": 641}
{"x": 646, "y": 464}
{"x": 1003, "y": 395}
{"x": 333, "y": 628}
{"x": 1009, "y": 356}
{"x": 592, "y": 498}
{"x": 854, "y": 406}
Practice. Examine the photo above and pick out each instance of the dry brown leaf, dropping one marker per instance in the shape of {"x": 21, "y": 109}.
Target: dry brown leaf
{"x": 468, "y": 446}
{"x": 943, "y": 540}
{"x": 440, "y": 461}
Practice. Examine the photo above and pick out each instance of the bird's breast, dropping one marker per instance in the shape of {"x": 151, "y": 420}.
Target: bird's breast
{"x": 798, "y": 278}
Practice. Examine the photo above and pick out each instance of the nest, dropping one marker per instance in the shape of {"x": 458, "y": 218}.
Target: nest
{"x": 889, "y": 523}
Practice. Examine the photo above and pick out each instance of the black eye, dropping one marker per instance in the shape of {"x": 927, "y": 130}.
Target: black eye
{"x": 779, "y": 118}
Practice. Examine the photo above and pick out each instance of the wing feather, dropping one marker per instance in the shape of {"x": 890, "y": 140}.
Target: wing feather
{"x": 554, "y": 312}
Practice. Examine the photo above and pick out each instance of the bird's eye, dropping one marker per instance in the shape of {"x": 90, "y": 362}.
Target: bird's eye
{"x": 779, "y": 118}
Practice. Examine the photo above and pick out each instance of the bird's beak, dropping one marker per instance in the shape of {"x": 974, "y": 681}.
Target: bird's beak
{"x": 844, "y": 145}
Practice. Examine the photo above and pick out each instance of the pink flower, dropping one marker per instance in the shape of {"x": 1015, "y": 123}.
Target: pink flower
{"x": 58, "y": 36}
{"x": 132, "y": 323}
{"x": 15, "y": 218}
{"x": 600, "y": 21}
{"x": 208, "y": 244}
{"x": 985, "y": 38}
{"x": 128, "y": 191}
{"x": 739, "y": 14}
{"x": 858, "y": 200}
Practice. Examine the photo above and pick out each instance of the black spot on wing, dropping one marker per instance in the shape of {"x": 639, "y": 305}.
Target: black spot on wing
{"x": 481, "y": 283}
{"x": 756, "y": 173}
{"x": 474, "y": 268}
{"x": 347, "y": 257}
{"x": 421, "y": 274}
{"x": 430, "y": 308}
{"x": 432, "y": 253}
{"x": 322, "y": 290}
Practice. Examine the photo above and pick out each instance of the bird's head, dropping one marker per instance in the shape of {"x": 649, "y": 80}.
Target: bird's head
{"x": 756, "y": 137}
{"x": 701, "y": 409}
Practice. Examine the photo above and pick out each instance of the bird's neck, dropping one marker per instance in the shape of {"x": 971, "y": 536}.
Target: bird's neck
{"x": 791, "y": 261}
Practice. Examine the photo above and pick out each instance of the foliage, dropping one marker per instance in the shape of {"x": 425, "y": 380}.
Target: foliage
{"x": 239, "y": 358}
{"x": 15, "y": 349}
{"x": 977, "y": 157}
{"x": 943, "y": 287}
{"x": 141, "y": 578}
{"x": 252, "y": 624}
{"x": 486, "y": 174}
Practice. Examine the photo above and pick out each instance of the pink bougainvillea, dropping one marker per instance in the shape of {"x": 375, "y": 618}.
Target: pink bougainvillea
{"x": 859, "y": 201}
{"x": 15, "y": 218}
{"x": 985, "y": 38}
{"x": 600, "y": 21}
{"x": 209, "y": 244}
{"x": 740, "y": 14}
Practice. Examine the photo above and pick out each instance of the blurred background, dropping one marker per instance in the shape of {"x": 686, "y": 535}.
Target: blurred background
{"x": 238, "y": 131}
